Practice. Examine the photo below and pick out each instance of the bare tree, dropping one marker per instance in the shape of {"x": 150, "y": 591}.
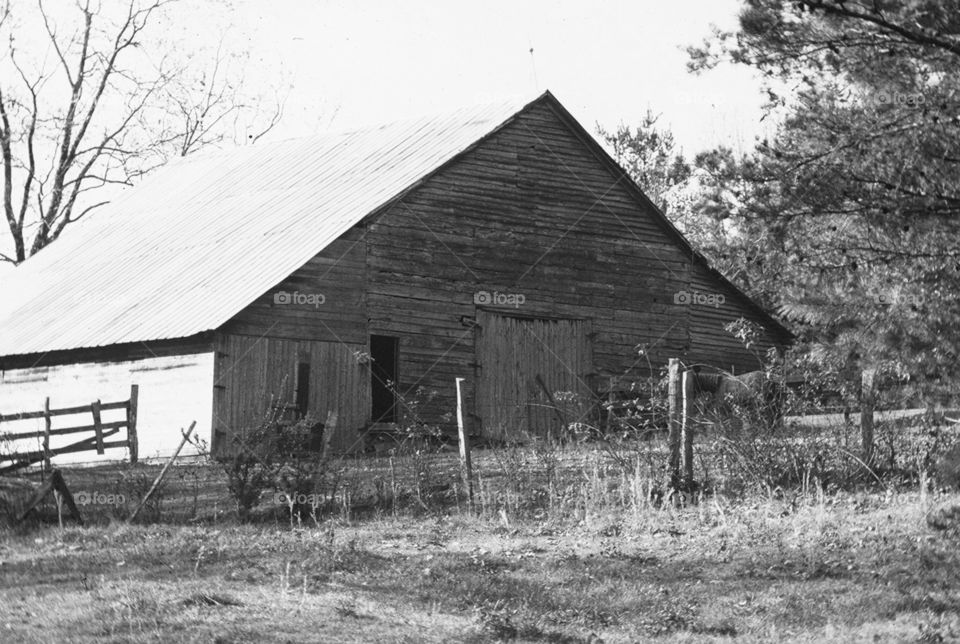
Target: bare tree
{"x": 95, "y": 102}
{"x": 211, "y": 106}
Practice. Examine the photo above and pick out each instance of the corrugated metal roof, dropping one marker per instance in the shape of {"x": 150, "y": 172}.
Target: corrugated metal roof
{"x": 203, "y": 237}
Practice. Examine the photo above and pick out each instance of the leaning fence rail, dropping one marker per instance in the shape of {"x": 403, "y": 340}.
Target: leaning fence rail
{"x": 101, "y": 431}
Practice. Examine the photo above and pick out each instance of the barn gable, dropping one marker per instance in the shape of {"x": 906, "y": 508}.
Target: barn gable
{"x": 538, "y": 211}
{"x": 535, "y": 210}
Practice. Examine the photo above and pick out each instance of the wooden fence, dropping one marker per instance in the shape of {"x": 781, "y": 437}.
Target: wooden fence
{"x": 680, "y": 428}
{"x": 100, "y": 430}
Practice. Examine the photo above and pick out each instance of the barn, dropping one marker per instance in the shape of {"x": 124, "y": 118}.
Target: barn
{"x": 361, "y": 274}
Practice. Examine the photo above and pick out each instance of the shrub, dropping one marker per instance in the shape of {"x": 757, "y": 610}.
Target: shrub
{"x": 948, "y": 468}
{"x": 274, "y": 455}
{"x": 636, "y": 407}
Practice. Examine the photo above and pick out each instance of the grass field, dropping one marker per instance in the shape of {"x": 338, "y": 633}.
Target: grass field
{"x": 576, "y": 543}
{"x": 840, "y": 567}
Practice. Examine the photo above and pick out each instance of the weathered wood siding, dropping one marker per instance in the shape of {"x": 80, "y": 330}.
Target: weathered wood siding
{"x": 515, "y": 355}
{"x": 254, "y": 373}
{"x": 320, "y": 318}
{"x": 337, "y": 276}
{"x": 709, "y": 342}
{"x": 531, "y": 211}
{"x": 174, "y": 390}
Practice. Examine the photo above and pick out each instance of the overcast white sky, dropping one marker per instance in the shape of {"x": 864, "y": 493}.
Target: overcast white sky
{"x": 354, "y": 62}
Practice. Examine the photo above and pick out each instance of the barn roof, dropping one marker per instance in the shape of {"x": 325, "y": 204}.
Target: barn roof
{"x": 203, "y": 237}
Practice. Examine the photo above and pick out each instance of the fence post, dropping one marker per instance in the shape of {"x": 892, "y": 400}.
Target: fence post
{"x": 132, "y": 423}
{"x": 867, "y": 403}
{"x": 673, "y": 434}
{"x": 46, "y": 434}
{"x": 687, "y": 430}
{"x": 163, "y": 472}
{"x": 466, "y": 466}
{"x": 97, "y": 427}
{"x": 329, "y": 427}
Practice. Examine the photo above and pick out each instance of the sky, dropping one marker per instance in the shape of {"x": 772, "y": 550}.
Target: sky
{"x": 356, "y": 63}
{"x": 345, "y": 64}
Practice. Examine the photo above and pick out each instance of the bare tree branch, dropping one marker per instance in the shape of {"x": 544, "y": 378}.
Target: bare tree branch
{"x": 105, "y": 111}
{"x": 876, "y": 17}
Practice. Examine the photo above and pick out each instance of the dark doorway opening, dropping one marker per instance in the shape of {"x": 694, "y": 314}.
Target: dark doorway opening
{"x": 384, "y": 350}
{"x": 303, "y": 389}
{"x": 302, "y": 403}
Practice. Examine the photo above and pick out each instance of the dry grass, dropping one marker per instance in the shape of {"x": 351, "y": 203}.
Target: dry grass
{"x": 576, "y": 544}
{"x": 843, "y": 567}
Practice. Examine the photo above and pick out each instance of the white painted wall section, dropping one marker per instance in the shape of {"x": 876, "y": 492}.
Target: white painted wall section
{"x": 174, "y": 391}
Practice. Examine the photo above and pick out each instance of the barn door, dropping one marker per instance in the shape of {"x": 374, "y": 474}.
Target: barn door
{"x": 316, "y": 378}
{"x": 532, "y": 376}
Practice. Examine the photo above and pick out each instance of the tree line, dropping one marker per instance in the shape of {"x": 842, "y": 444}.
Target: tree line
{"x": 843, "y": 221}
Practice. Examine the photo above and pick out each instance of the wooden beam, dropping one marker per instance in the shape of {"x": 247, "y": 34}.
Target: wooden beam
{"x": 63, "y": 431}
{"x": 466, "y": 464}
{"x": 687, "y": 429}
{"x": 25, "y": 459}
{"x": 132, "y": 442}
{"x": 27, "y": 415}
{"x": 329, "y": 427}
{"x": 163, "y": 472}
{"x": 61, "y": 486}
{"x": 46, "y": 434}
{"x": 97, "y": 426}
{"x": 867, "y": 404}
{"x": 62, "y": 411}
{"x": 673, "y": 435}
{"x": 56, "y": 483}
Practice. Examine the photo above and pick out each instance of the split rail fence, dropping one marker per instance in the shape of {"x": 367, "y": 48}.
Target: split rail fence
{"x": 16, "y": 460}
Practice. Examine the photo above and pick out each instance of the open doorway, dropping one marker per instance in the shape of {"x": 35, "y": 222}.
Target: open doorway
{"x": 384, "y": 350}
{"x": 302, "y": 392}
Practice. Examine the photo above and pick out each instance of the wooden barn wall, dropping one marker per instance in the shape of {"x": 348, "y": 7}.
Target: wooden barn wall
{"x": 336, "y": 274}
{"x": 530, "y": 211}
{"x": 515, "y": 353}
{"x": 253, "y": 373}
{"x": 710, "y": 343}
{"x": 175, "y": 389}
